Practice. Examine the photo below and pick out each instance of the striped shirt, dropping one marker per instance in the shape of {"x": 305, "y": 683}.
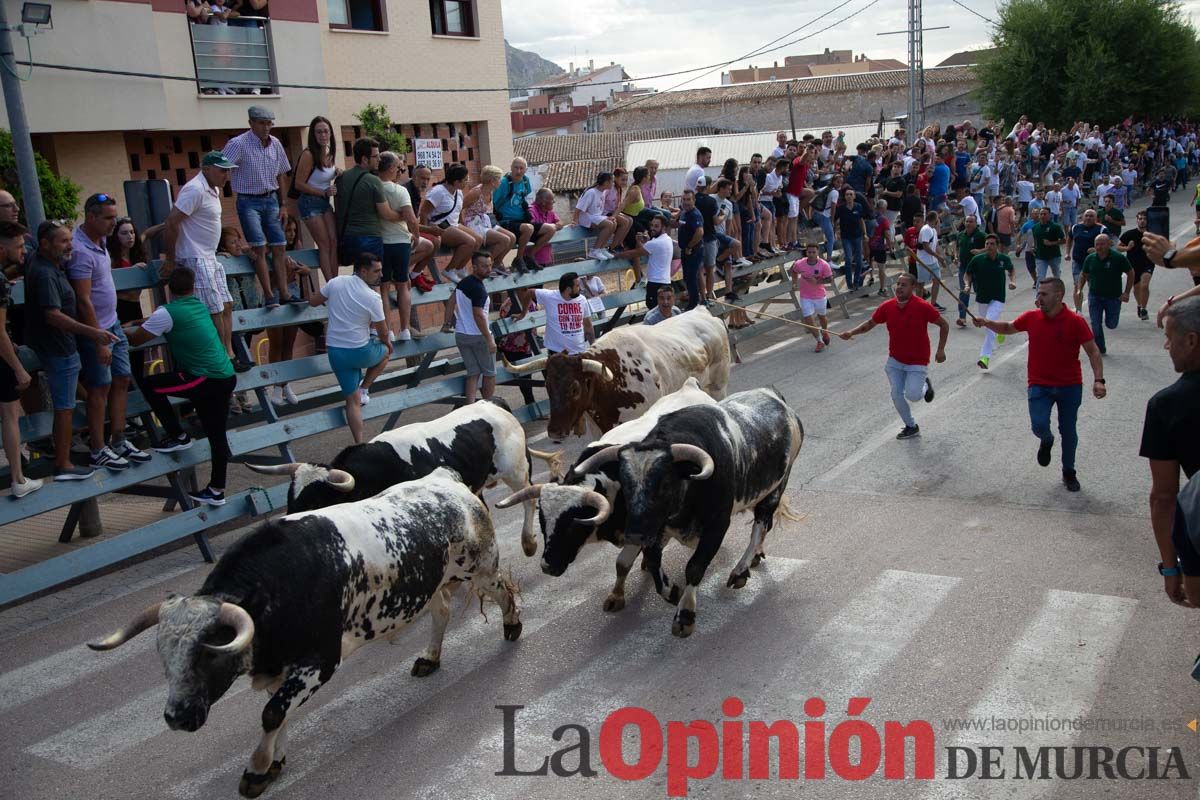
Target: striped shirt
{"x": 259, "y": 167}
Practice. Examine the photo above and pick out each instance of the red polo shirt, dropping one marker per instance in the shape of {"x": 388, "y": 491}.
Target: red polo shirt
{"x": 1054, "y": 344}
{"x": 797, "y": 177}
{"x": 908, "y": 334}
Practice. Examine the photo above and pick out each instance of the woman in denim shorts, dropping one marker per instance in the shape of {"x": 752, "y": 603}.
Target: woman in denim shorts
{"x": 315, "y": 173}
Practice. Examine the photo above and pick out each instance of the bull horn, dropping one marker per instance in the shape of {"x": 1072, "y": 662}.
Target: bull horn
{"x": 525, "y": 367}
{"x": 237, "y": 618}
{"x": 147, "y": 619}
{"x": 339, "y": 480}
{"x": 695, "y": 455}
{"x": 554, "y": 461}
{"x": 602, "y": 506}
{"x": 596, "y": 368}
{"x": 275, "y": 469}
{"x": 597, "y": 459}
{"x": 528, "y": 493}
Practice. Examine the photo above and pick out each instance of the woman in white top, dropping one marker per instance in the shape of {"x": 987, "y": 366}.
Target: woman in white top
{"x": 315, "y": 172}
{"x": 589, "y": 215}
{"x": 442, "y": 208}
{"x": 398, "y": 245}
{"x": 477, "y": 203}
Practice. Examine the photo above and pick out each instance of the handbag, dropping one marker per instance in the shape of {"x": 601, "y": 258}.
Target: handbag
{"x": 441, "y": 219}
{"x": 344, "y": 254}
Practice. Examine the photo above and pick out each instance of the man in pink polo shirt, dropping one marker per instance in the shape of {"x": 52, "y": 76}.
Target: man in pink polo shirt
{"x": 809, "y": 276}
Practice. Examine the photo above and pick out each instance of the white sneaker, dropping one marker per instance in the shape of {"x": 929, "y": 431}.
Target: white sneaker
{"x": 275, "y": 396}
{"x": 607, "y": 253}
{"x": 403, "y": 336}
{"x": 30, "y": 485}
{"x": 289, "y": 396}
{"x": 743, "y": 262}
{"x": 364, "y": 396}
{"x": 392, "y": 337}
{"x": 597, "y": 255}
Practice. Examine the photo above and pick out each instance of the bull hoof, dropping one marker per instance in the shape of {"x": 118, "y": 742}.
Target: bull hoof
{"x": 675, "y": 596}
{"x": 423, "y": 667}
{"x": 684, "y": 624}
{"x": 738, "y": 580}
{"x": 758, "y": 559}
{"x": 529, "y": 546}
{"x": 276, "y": 768}
{"x": 253, "y": 784}
{"x": 614, "y": 603}
{"x": 512, "y": 632}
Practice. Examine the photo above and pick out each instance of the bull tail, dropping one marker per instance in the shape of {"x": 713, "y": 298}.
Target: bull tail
{"x": 784, "y": 511}
{"x": 554, "y": 462}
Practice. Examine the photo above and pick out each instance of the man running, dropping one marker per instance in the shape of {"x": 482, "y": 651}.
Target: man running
{"x": 929, "y": 261}
{"x": 1104, "y": 269}
{"x": 1055, "y": 376}
{"x": 1143, "y": 267}
{"x": 985, "y": 275}
{"x": 906, "y": 316}
{"x": 809, "y": 276}
{"x": 970, "y": 243}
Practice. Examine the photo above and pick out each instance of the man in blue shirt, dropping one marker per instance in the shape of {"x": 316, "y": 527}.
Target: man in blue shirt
{"x": 691, "y": 233}
{"x": 510, "y": 202}
{"x": 939, "y": 185}
{"x": 861, "y": 172}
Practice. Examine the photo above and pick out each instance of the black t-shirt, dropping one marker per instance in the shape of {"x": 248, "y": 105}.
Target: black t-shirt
{"x": 46, "y": 288}
{"x": 910, "y": 209}
{"x": 708, "y": 207}
{"x": 1171, "y": 431}
{"x": 987, "y": 135}
{"x": 1162, "y": 192}
{"x": 414, "y": 194}
{"x": 760, "y": 179}
{"x": 1136, "y": 254}
{"x": 894, "y": 183}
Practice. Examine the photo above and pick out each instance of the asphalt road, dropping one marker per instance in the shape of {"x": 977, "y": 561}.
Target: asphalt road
{"x": 945, "y": 578}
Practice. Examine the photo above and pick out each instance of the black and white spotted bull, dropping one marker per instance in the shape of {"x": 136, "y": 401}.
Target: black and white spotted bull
{"x": 566, "y": 510}
{"x": 483, "y": 442}
{"x": 697, "y": 468}
{"x": 289, "y": 602}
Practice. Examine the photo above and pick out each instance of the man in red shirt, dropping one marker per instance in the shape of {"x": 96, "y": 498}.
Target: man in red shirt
{"x": 907, "y": 317}
{"x": 797, "y": 180}
{"x": 1055, "y": 375}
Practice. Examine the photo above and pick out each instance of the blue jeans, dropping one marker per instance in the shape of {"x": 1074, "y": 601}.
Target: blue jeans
{"x": 1068, "y": 398}
{"x": 260, "y": 220}
{"x": 963, "y": 297}
{"x": 827, "y": 228}
{"x": 748, "y": 231}
{"x": 1045, "y": 265}
{"x": 691, "y": 276}
{"x": 908, "y": 386}
{"x": 1070, "y": 216}
{"x": 364, "y": 244}
{"x": 852, "y": 252}
{"x": 1105, "y": 313}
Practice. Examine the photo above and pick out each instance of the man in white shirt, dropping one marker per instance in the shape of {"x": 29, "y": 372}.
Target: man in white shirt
{"x": 781, "y": 139}
{"x": 568, "y": 318}
{"x": 355, "y": 308}
{"x": 191, "y": 237}
{"x": 929, "y": 261}
{"x": 658, "y": 249}
{"x": 696, "y": 171}
{"x": 1054, "y": 201}
{"x": 1025, "y": 190}
{"x": 1071, "y": 193}
{"x": 967, "y": 206}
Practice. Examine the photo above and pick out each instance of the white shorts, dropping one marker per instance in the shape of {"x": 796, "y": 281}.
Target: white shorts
{"x": 793, "y": 206}
{"x": 482, "y": 226}
{"x": 211, "y": 286}
{"x": 811, "y": 306}
{"x": 590, "y": 220}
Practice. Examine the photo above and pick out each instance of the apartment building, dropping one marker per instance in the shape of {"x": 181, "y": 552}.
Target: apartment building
{"x": 101, "y": 130}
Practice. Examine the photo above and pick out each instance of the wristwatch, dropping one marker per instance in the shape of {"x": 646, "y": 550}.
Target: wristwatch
{"x": 1168, "y": 257}
{"x": 1168, "y": 572}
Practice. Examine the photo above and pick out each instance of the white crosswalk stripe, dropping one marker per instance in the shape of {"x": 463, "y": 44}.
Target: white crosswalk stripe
{"x": 47, "y": 675}
{"x": 1053, "y": 670}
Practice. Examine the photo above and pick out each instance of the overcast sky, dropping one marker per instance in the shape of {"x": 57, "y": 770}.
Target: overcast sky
{"x": 650, "y": 37}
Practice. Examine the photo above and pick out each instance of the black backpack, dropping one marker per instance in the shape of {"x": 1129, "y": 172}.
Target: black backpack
{"x": 821, "y": 199}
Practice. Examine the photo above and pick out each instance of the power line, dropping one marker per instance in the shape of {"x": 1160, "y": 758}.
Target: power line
{"x": 973, "y": 11}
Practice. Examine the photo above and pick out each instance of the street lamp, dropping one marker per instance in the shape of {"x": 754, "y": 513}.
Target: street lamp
{"x": 36, "y": 14}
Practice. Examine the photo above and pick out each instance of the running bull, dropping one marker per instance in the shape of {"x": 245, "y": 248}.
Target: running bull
{"x": 627, "y": 369}
{"x": 697, "y": 468}
{"x": 568, "y": 510}
{"x": 291, "y": 601}
{"x": 483, "y": 442}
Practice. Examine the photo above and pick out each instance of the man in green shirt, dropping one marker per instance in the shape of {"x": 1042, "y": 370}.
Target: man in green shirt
{"x": 1103, "y": 269}
{"x": 360, "y": 205}
{"x": 1047, "y": 238}
{"x": 203, "y": 375}
{"x": 1111, "y": 217}
{"x": 985, "y": 274}
{"x": 970, "y": 244}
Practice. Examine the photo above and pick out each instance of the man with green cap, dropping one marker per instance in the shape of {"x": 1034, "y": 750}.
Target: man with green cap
{"x": 193, "y": 232}
{"x": 985, "y": 275}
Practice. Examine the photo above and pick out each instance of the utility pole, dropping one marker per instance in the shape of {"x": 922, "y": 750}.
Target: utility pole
{"x": 916, "y": 68}
{"x": 31, "y": 192}
{"x": 791, "y": 110}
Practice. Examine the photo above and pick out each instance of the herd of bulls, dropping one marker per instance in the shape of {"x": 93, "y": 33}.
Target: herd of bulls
{"x": 392, "y": 527}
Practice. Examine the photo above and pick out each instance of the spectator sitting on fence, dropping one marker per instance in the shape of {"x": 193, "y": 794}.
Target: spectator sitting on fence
{"x": 589, "y": 215}
{"x": 477, "y": 202}
{"x": 665, "y": 307}
{"x": 510, "y": 201}
{"x": 441, "y": 211}
{"x": 425, "y": 247}
{"x": 355, "y": 308}
{"x": 398, "y": 240}
{"x": 203, "y": 375}
{"x": 542, "y": 212}
{"x": 472, "y": 333}
{"x": 51, "y": 328}
{"x": 13, "y": 377}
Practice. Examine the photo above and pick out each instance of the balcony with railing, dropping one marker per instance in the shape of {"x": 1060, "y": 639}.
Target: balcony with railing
{"x": 235, "y": 58}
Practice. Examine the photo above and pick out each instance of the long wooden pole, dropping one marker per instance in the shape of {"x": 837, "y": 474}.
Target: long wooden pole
{"x": 772, "y": 316}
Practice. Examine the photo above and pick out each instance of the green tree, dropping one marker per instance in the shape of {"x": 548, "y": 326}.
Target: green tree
{"x": 377, "y": 124}
{"x": 1060, "y": 61}
{"x": 60, "y": 195}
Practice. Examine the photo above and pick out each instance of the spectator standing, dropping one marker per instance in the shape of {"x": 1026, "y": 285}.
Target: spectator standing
{"x": 691, "y": 179}
{"x": 316, "y": 170}
{"x": 362, "y": 205}
{"x": 126, "y": 248}
{"x": 1055, "y": 377}
{"x": 691, "y": 245}
{"x": 664, "y": 307}
{"x": 1104, "y": 270}
{"x": 203, "y": 376}
{"x": 398, "y": 238}
{"x": 105, "y": 368}
{"x": 568, "y": 317}
{"x": 929, "y": 260}
{"x": 1170, "y": 443}
{"x": 657, "y": 248}
{"x": 355, "y": 309}
{"x": 510, "y": 200}
{"x": 13, "y": 378}
{"x": 472, "y": 332}
{"x": 261, "y": 185}
{"x": 852, "y": 231}
{"x": 51, "y": 328}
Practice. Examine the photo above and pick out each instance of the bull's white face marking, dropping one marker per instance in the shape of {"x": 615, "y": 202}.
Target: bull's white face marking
{"x": 307, "y": 475}
{"x": 196, "y": 677}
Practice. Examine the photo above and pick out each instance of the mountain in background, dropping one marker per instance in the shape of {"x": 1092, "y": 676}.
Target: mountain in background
{"x": 526, "y": 68}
